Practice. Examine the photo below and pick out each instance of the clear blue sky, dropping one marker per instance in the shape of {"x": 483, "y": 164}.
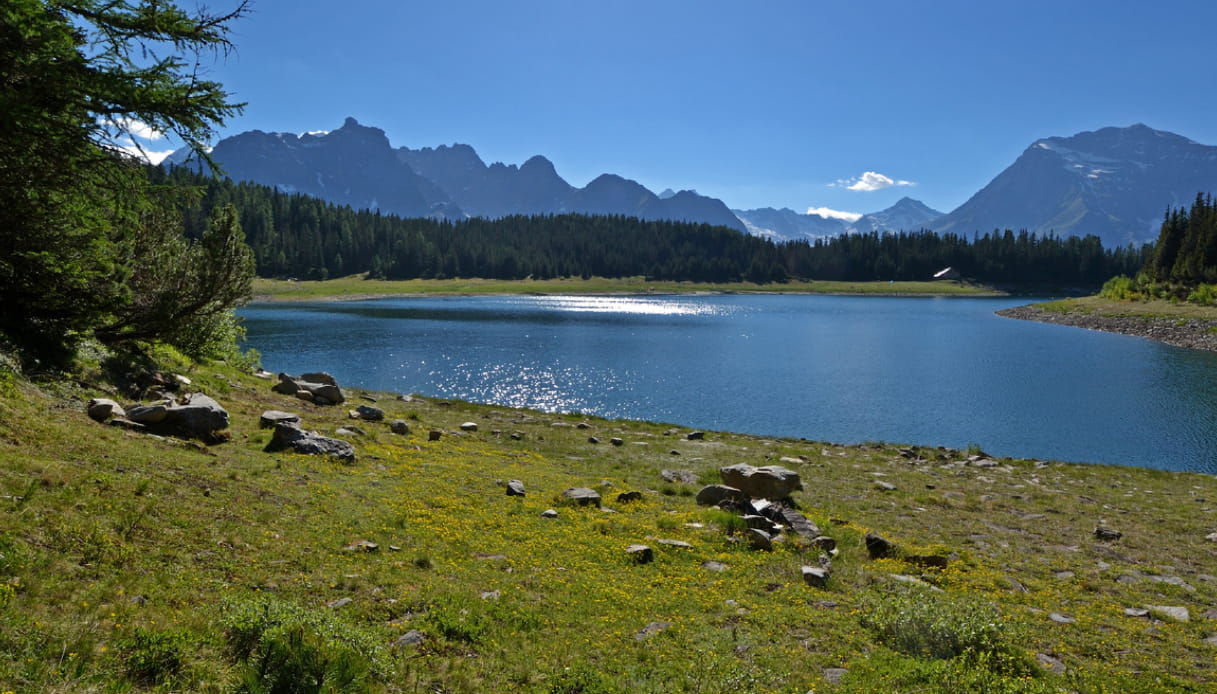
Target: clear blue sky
{"x": 768, "y": 103}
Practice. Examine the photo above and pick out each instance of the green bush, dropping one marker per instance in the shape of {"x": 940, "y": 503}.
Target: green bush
{"x": 1204, "y": 294}
{"x": 154, "y": 657}
{"x": 932, "y": 625}
{"x": 1120, "y": 288}
{"x": 288, "y": 648}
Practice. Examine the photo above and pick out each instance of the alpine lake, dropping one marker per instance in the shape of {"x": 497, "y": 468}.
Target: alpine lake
{"x": 925, "y": 371}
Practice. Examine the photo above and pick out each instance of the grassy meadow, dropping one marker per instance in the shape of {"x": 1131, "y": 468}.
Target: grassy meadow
{"x": 359, "y": 287}
{"x": 130, "y": 563}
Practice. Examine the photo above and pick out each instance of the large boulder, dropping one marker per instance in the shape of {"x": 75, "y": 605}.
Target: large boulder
{"x": 320, "y": 387}
{"x": 715, "y": 494}
{"x": 101, "y": 409}
{"x": 768, "y": 482}
{"x": 197, "y": 416}
{"x": 288, "y": 436}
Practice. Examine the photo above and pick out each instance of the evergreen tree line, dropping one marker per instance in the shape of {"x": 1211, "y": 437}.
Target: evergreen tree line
{"x": 1186, "y": 252}
{"x": 299, "y": 236}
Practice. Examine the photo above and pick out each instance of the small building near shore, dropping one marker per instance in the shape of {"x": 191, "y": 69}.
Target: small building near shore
{"x": 948, "y": 273}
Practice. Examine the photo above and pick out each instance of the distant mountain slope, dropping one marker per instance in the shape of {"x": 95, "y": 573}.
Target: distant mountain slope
{"x": 1115, "y": 183}
{"x": 906, "y": 215}
{"x": 787, "y": 225}
{"x": 355, "y": 165}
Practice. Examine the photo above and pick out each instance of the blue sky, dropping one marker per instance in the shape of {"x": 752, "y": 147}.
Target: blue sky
{"x": 767, "y": 103}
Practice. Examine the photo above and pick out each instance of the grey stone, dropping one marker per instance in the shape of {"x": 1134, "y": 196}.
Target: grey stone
{"x": 1135, "y": 612}
{"x": 101, "y": 409}
{"x": 640, "y": 554}
{"x": 434, "y": 435}
{"x": 400, "y": 427}
{"x": 582, "y": 496}
{"x": 768, "y": 482}
{"x": 1107, "y": 534}
{"x": 696, "y": 436}
{"x": 410, "y": 638}
{"x": 884, "y": 486}
{"x": 1175, "y": 612}
{"x": 549, "y": 513}
{"x": 616, "y": 441}
{"x": 469, "y": 426}
{"x": 714, "y": 494}
{"x": 676, "y": 543}
{"x": 716, "y": 566}
{"x": 627, "y": 497}
{"x": 679, "y": 477}
{"x": 1051, "y": 663}
{"x": 799, "y": 524}
{"x": 1060, "y": 618}
{"x": 148, "y": 414}
{"x": 651, "y": 629}
{"x": 270, "y": 418}
{"x": 759, "y": 539}
{"x": 340, "y": 602}
{"x": 290, "y": 437}
{"x": 362, "y": 546}
{"x": 370, "y": 414}
{"x": 833, "y": 675}
{"x": 515, "y": 488}
{"x": 319, "y": 377}
{"x": 815, "y": 576}
{"x": 878, "y": 547}
{"x": 593, "y": 439}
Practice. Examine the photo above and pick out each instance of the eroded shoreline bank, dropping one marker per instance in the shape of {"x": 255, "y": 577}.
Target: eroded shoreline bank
{"x": 1192, "y": 333}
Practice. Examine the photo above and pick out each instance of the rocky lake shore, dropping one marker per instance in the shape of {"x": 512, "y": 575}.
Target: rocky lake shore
{"x": 1192, "y": 333}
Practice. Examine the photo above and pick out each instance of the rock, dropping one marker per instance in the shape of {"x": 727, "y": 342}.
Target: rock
{"x": 490, "y": 594}
{"x": 761, "y": 523}
{"x": 549, "y": 513}
{"x": 686, "y": 477}
{"x": 824, "y": 542}
{"x": 1051, "y": 663}
{"x": 651, "y": 629}
{"x": 877, "y": 547}
{"x": 884, "y": 486}
{"x": 285, "y": 386}
{"x": 593, "y": 439}
{"x": 197, "y": 417}
{"x": 1061, "y": 619}
{"x": 768, "y": 482}
{"x": 434, "y": 435}
{"x": 410, "y": 638}
{"x": 1211, "y": 537}
{"x": 270, "y": 418}
{"x": 101, "y": 409}
{"x": 616, "y": 441}
{"x": 1135, "y": 612}
{"x": 399, "y": 427}
{"x": 340, "y": 602}
{"x": 640, "y": 554}
{"x": 1107, "y": 534}
{"x": 264, "y": 375}
{"x": 799, "y": 524}
{"x": 351, "y": 431}
{"x": 627, "y": 497}
{"x": 1175, "y": 612}
{"x": 676, "y": 543}
{"x": 1211, "y": 639}
{"x": 319, "y": 377}
{"x": 714, "y": 494}
{"x": 715, "y": 566}
{"x": 469, "y": 426}
{"x": 582, "y": 496}
{"x": 933, "y": 561}
{"x": 362, "y": 546}
{"x": 833, "y": 675}
{"x": 815, "y": 576}
{"x": 148, "y": 414}
{"x": 673, "y": 452}
{"x": 696, "y": 436}
{"x": 515, "y": 488}
{"x": 370, "y": 414}
{"x": 914, "y": 581}
{"x": 759, "y": 539}
{"x": 291, "y": 437}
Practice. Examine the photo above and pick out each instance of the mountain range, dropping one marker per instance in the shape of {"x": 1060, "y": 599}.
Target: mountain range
{"x": 1114, "y": 183}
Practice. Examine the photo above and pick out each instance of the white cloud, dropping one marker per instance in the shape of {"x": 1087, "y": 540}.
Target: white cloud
{"x": 139, "y": 129}
{"x": 868, "y": 182}
{"x": 128, "y": 147}
{"x": 834, "y": 214}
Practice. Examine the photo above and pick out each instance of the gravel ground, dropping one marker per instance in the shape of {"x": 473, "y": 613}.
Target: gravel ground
{"x": 1190, "y": 333}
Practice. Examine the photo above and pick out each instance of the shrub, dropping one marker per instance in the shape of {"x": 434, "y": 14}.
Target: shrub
{"x": 922, "y": 625}
{"x": 154, "y": 657}
{"x": 1120, "y": 288}
{"x": 1204, "y": 294}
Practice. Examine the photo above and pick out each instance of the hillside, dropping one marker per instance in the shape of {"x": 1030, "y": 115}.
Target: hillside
{"x": 133, "y": 562}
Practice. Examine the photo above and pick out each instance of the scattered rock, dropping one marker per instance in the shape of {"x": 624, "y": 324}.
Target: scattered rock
{"x": 148, "y": 415}
{"x": 291, "y": 437}
{"x": 913, "y": 580}
{"x": 877, "y": 547}
{"x": 435, "y": 435}
{"x": 582, "y": 496}
{"x": 593, "y": 439}
{"x": 351, "y": 430}
{"x": 1107, "y": 534}
{"x": 101, "y": 409}
{"x": 321, "y": 388}
{"x": 1051, "y": 663}
{"x": 270, "y": 418}
{"x": 759, "y": 539}
{"x": 616, "y": 441}
{"x": 696, "y": 436}
{"x": 515, "y": 488}
{"x": 410, "y": 638}
{"x": 651, "y": 629}
{"x": 768, "y": 482}
{"x": 400, "y": 427}
{"x": 362, "y": 546}
{"x": 687, "y": 477}
{"x": 1175, "y": 612}
{"x": 490, "y": 594}
{"x": 369, "y": 414}
{"x": 627, "y": 497}
{"x": 884, "y": 486}
{"x": 1211, "y": 537}
{"x": 640, "y": 554}
{"x": 676, "y": 543}
{"x": 714, "y": 494}
{"x": 340, "y": 602}
{"x": 1064, "y": 575}
{"x": 716, "y": 566}
{"x": 1061, "y": 619}
{"x": 1135, "y": 612}
{"x": 798, "y": 523}
{"x": 198, "y": 416}
{"x": 815, "y": 576}
{"x": 469, "y": 426}
{"x": 549, "y": 513}
{"x": 833, "y": 675}
{"x": 824, "y": 542}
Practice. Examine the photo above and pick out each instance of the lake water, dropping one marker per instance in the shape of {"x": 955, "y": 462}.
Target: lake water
{"x": 940, "y": 371}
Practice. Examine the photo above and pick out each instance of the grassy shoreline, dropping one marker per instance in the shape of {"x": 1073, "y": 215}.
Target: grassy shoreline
{"x": 357, "y": 287}
{"x": 114, "y": 546}
{"x": 1173, "y": 323}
